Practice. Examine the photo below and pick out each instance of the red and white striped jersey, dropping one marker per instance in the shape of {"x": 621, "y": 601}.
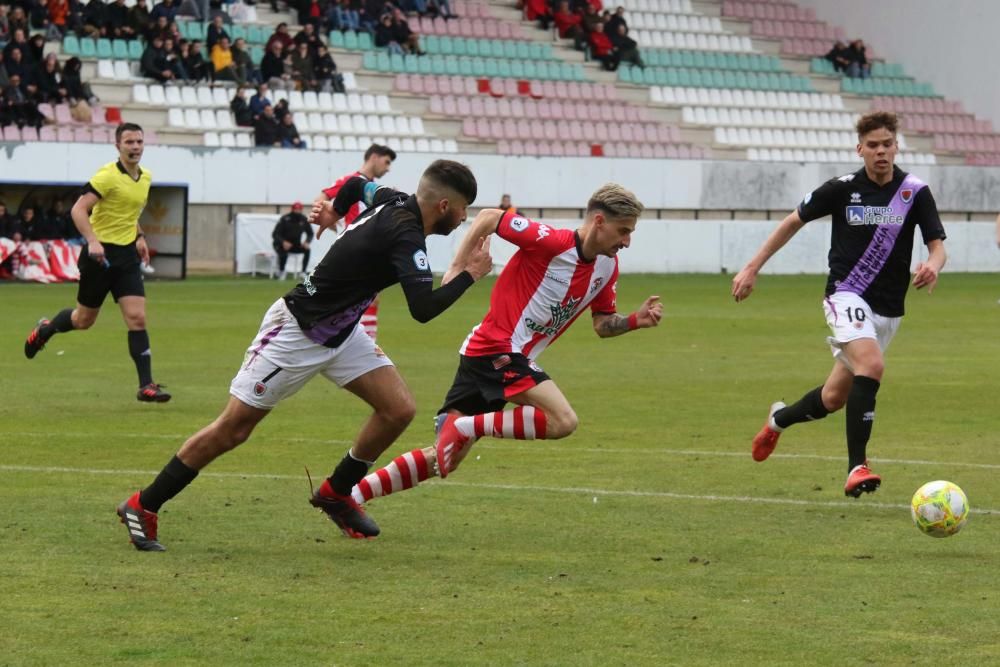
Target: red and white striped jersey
{"x": 541, "y": 291}
{"x": 331, "y": 193}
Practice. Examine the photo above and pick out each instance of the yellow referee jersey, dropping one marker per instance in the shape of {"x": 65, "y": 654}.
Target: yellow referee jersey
{"x": 121, "y": 202}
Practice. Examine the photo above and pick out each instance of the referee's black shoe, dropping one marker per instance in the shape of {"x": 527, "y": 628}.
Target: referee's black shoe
{"x": 345, "y": 512}
{"x": 152, "y": 393}
{"x": 35, "y": 341}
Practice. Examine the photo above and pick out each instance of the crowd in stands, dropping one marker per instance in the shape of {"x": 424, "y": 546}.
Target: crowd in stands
{"x": 850, "y": 59}
{"x": 601, "y": 33}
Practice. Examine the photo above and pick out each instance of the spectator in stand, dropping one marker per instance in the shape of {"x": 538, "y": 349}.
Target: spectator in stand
{"x": 371, "y": 14}
{"x": 589, "y": 22}
{"x": 194, "y": 61}
{"x": 243, "y": 63}
{"x": 259, "y": 100}
{"x": 615, "y": 20}
{"x": 538, "y": 10}
{"x": 139, "y": 18}
{"x": 308, "y": 36}
{"x": 18, "y": 19}
{"x": 281, "y": 36}
{"x": 859, "y": 68}
{"x": 506, "y": 205}
{"x": 36, "y": 49}
{"x": 76, "y": 89}
{"x": 59, "y": 16}
{"x": 37, "y": 226}
{"x": 159, "y": 26}
{"x": 440, "y": 8}
{"x": 240, "y": 108}
{"x": 16, "y": 64}
{"x": 327, "y": 76}
{"x": 165, "y": 8}
{"x": 173, "y": 57}
{"x": 568, "y": 23}
{"x": 49, "y": 81}
{"x": 94, "y": 17}
{"x": 344, "y": 15}
{"x": 311, "y": 13}
{"x": 153, "y": 63}
{"x": 402, "y": 34}
{"x": 626, "y": 48}
{"x": 266, "y": 129}
{"x": 117, "y": 21}
{"x": 292, "y": 236}
{"x": 302, "y": 68}
{"x": 4, "y": 23}
{"x": 385, "y": 36}
{"x": 601, "y": 48}
{"x": 840, "y": 56}
{"x": 216, "y": 31}
{"x": 281, "y": 110}
{"x": 222, "y": 61}
{"x": 289, "y": 134}
{"x": 22, "y": 110}
{"x": 60, "y": 217}
{"x": 272, "y": 66}
{"x": 19, "y": 41}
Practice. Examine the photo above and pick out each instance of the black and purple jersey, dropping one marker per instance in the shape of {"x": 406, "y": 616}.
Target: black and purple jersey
{"x": 871, "y": 240}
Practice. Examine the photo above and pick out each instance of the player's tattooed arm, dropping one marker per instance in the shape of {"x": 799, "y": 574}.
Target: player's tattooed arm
{"x": 608, "y": 326}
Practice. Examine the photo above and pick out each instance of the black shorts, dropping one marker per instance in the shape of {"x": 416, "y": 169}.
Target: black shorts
{"x": 121, "y": 276}
{"x": 485, "y": 384}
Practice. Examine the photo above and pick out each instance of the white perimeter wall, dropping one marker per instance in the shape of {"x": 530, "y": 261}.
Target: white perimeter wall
{"x": 281, "y": 176}
{"x": 953, "y": 44}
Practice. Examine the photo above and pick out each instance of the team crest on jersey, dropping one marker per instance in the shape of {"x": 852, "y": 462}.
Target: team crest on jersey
{"x": 906, "y": 195}
{"x": 518, "y": 224}
{"x": 501, "y": 361}
{"x": 561, "y": 312}
{"x": 420, "y": 261}
{"x": 259, "y": 388}
{"x": 597, "y": 284}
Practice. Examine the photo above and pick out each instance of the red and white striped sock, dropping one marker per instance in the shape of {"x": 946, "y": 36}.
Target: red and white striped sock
{"x": 521, "y": 423}
{"x": 369, "y": 320}
{"x": 403, "y": 472}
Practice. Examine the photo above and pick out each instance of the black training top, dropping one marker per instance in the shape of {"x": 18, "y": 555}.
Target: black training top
{"x": 385, "y": 245}
{"x": 871, "y": 240}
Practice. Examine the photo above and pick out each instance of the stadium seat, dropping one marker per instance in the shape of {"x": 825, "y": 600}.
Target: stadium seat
{"x": 212, "y": 139}
{"x": 105, "y": 69}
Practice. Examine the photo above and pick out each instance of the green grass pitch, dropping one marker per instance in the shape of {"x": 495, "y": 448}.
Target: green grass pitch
{"x": 649, "y": 537}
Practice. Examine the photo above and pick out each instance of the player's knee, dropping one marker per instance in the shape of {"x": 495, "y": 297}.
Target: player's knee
{"x": 83, "y": 321}
{"x": 136, "y": 322}
{"x": 872, "y": 369}
{"x": 561, "y": 423}
{"x": 833, "y": 399}
{"x": 401, "y": 413}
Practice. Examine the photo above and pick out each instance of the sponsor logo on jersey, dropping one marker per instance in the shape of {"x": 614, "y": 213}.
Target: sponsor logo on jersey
{"x": 501, "y": 361}
{"x": 906, "y": 195}
{"x": 872, "y": 215}
{"x": 543, "y": 231}
{"x": 855, "y": 197}
{"x": 518, "y": 224}
{"x": 420, "y": 261}
{"x": 561, "y": 313}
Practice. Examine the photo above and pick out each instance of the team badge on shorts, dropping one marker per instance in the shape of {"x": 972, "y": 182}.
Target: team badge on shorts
{"x": 379, "y": 352}
{"x": 535, "y": 367}
{"x": 259, "y": 388}
{"x": 501, "y": 361}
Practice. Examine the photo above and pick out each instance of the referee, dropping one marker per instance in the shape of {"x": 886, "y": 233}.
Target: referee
{"x": 107, "y": 216}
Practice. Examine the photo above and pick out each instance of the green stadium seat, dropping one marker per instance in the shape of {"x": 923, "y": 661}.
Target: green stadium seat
{"x": 368, "y": 61}
{"x": 257, "y": 53}
{"x": 351, "y": 40}
{"x": 383, "y": 63}
{"x": 473, "y": 47}
{"x": 88, "y": 48}
{"x": 718, "y": 79}
{"x": 119, "y": 49}
{"x": 464, "y": 66}
{"x": 697, "y": 80}
{"x": 365, "y": 41}
{"x": 491, "y": 67}
{"x": 431, "y": 43}
{"x": 451, "y": 66}
{"x": 71, "y": 45}
{"x": 517, "y": 69}
{"x": 134, "y": 49}
{"x": 496, "y": 48}
{"x": 673, "y": 77}
{"x": 509, "y": 49}
{"x": 741, "y": 80}
{"x": 683, "y": 78}
{"x": 256, "y": 35}
{"x": 700, "y": 59}
{"x": 104, "y": 48}
{"x": 729, "y": 79}
{"x": 396, "y": 63}
{"x": 649, "y": 77}
{"x": 410, "y": 64}
{"x": 504, "y": 68}
{"x": 530, "y": 70}
{"x": 521, "y": 48}
{"x": 424, "y": 66}
{"x": 237, "y": 31}
{"x": 687, "y": 59}
{"x": 196, "y": 30}
{"x": 546, "y": 72}
{"x": 336, "y": 39}
{"x": 753, "y": 81}
{"x": 535, "y": 51}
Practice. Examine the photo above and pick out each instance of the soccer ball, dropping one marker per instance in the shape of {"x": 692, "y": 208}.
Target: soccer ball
{"x": 939, "y": 508}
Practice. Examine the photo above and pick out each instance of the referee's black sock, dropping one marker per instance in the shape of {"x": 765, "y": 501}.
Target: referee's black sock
{"x": 171, "y": 481}
{"x": 138, "y": 348}
{"x": 62, "y": 322}
{"x": 348, "y": 472}
{"x": 860, "y": 418}
{"x": 808, "y": 408}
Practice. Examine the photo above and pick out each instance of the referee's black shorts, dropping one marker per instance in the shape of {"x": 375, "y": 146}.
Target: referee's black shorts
{"x": 485, "y": 384}
{"x": 121, "y": 276}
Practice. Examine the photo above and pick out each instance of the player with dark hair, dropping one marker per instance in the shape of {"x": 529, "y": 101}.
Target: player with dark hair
{"x": 313, "y": 330}
{"x": 553, "y": 278}
{"x": 107, "y": 216}
{"x": 378, "y": 160}
{"x": 875, "y": 212}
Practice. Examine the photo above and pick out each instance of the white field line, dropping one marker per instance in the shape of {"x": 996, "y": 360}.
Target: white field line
{"x": 522, "y": 448}
{"x": 518, "y": 487}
